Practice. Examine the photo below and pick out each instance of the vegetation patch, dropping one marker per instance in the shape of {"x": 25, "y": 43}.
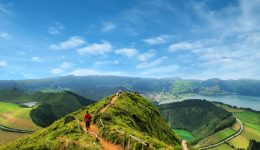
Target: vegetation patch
{"x": 200, "y": 117}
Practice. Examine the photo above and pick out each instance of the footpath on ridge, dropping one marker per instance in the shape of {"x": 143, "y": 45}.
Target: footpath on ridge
{"x": 94, "y": 130}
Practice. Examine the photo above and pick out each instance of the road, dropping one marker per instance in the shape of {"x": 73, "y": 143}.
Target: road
{"x": 5, "y": 128}
{"x": 227, "y": 139}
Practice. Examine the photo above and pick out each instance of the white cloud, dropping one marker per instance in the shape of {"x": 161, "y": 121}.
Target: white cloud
{"x": 72, "y": 42}
{"x": 151, "y": 64}
{"x": 96, "y": 48}
{"x": 36, "y": 59}
{"x": 184, "y": 46}
{"x": 146, "y": 56}
{"x": 5, "y": 35}
{"x": 85, "y": 72}
{"x": 106, "y": 62}
{"x": 66, "y": 65}
{"x": 3, "y": 63}
{"x": 108, "y": 26}
{"x": 129, "y": 52}
{"x": 157, "y": 40}
{"x": 56, "y": 28}
{"x": 56, "y": 71}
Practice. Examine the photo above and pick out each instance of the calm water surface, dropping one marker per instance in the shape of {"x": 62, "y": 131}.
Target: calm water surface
{"x": 236, "y": 100}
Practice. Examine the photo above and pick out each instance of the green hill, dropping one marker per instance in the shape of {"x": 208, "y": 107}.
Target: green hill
{"x": 55, "y": 106}
{"x": 130, "y": 113}
{"x": 200, "y": 117}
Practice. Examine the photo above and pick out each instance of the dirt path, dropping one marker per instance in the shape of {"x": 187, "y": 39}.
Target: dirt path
{"x": 111, "y": 103}
{"x": 184, "y": 145}
{"x": 94, "y": 130}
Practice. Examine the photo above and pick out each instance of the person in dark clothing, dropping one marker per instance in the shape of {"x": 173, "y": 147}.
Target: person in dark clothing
{"x": 87, "y": 119}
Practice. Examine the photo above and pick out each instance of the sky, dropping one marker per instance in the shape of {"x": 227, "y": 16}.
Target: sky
{"x": 198, "y": 39}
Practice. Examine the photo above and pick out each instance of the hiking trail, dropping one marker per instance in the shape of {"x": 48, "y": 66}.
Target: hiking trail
{"x": 94, "y": 130}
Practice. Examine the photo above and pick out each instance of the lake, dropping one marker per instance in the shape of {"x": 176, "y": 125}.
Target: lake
{"x": 236, "y": 100}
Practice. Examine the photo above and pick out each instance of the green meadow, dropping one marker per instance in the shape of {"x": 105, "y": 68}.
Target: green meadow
{"x": 15, "y": 116}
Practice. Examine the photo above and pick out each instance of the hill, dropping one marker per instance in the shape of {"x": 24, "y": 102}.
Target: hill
{"x": 54, "y": 106}
{"x": 130, "y": 113}
{"x": 97, "y": 87}
{"x": 200, "y": 117}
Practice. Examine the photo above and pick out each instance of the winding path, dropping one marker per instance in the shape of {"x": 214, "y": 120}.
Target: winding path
{"x": 8, "y": 129}
{"x": 227, "y": 139}
{"x": 94, "y": 130}
{"x": 184, "y": 145}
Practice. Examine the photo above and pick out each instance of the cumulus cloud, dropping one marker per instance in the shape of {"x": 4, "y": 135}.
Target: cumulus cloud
{"x": 97, "y": 63}
{"x": 72, "y": 42}
{"x": 96, "y": 48}
{"x": 156, "y": 40}
{"x": 56, "y": 28}
{"x": 108, "y": 26}
{"x": 151, "y": 64}
{"x": 184, "y": 46}
{"x": 5, "y": 35}
{"x": 146, "y": 56}
{"x": 66, "y": 65}
{"x": 129, "y": 52}
{"x": 3, "y": 63}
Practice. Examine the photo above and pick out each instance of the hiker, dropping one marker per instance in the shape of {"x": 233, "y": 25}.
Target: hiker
{"x": 87, "y": 120}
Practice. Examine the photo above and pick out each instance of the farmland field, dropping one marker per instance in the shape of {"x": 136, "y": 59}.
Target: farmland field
{"x": 219, "y": 136}
{"x": 14, "y": 116}
{"x": 251, "y": 121}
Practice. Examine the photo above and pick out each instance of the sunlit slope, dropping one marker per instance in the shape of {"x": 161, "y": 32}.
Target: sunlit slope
{"x": 200, "y": 117}
{"x": 130, "y": 113}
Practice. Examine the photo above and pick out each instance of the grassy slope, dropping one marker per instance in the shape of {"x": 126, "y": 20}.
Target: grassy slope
{"x": 12, "y": 115}
{"x": 200, "y": 117}
{"x": 137, "y": 116}
{"x": 55, "y": 105}
{"x": 146, "y": 125}
{"x": 60, "y": 135}
{"x": 9, "y": 136}
{"x": 251, "y": 121}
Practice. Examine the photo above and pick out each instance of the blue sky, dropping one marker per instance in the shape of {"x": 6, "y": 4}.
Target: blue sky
{"x": 160, "y": 38}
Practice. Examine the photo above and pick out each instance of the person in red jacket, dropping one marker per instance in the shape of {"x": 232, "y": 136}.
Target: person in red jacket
{"x": 87, "y": 120}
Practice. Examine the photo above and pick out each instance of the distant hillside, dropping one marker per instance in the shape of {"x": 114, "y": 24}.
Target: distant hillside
{"x": 55, "y": 106}
{"x": 97, "y": 87}
{"x": 129, "y": 113}
{"x": 200, "y": 117}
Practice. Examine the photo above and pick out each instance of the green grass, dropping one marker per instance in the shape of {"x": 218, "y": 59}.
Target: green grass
{"x": 185, "y": 134}
{"x": 6, "y": 107}
{"x": 250, "y": 119}
{"x": 219, "y": 136}
{"x": 14, "y": 116}
{"x": 131, "y": 114}
{"x": 222, "y": 147}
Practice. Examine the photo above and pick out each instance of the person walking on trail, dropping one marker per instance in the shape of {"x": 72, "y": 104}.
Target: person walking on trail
{"x": 87, "y": 120}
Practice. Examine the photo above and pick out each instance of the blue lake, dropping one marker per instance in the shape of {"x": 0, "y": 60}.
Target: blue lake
{"x": 236, "y": 100}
